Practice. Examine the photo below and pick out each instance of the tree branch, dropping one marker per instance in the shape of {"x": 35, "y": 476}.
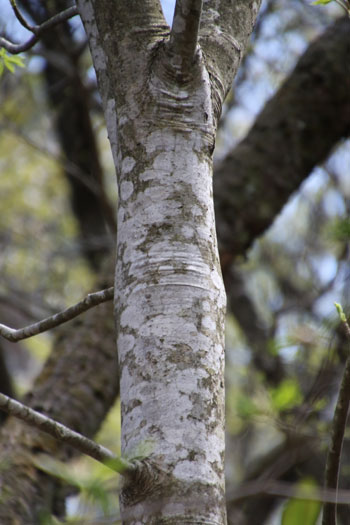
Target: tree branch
{"x": 338, "y": 431}
{"x": 92, "y": 299}
{"x": 184, "y": 35}
{"x": 77, "y": 386}
{"x": 345, "y": 5}
{"x": 295, "y": 131}
{"x": 21, "y": 18}
{"x": 224, "y": 32}
{"x": 135, "y": 28}
{"x": 66, "y": 435}
{"x": 336, "y": 445}
{"x": 14, "y": 49}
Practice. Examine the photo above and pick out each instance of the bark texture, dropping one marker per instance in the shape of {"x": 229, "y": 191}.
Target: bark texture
{"x": 29, "y": 490}
{"x": 225, "y": 29}
{"x": 170, "y": 299}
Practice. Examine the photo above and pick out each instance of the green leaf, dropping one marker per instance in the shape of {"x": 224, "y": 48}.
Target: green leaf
{"x": 322, "y": 2}
{"x": 300, "y": 510}
{"x": 286, "y": 395}
{"x": 98, "y": 493}
{"x": 340, "y": 312}
{"x": 15, "y": 59}
{"x": 8, "y": 65}
{"x": 9, "y": 62}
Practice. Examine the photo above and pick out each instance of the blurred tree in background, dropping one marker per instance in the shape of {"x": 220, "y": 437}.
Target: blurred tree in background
{"x": 283, "y": 232}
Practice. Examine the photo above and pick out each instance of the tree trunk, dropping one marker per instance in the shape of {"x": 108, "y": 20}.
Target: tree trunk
{"x": 170, "y": 299}
{"x": 240, "y": 207}
{"x": 170, "y": 304}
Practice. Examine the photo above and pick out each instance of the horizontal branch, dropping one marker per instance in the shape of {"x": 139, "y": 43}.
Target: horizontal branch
{"x": 184, "y": 34}
{"x": 14, "y": 49}
{"x": 91, "y": 300}
{"x": 285, "y": 489}
{"x": 66, "y": 435}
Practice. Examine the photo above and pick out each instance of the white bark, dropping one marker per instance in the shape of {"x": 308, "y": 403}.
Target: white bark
{"x": 170, "y": 299}
{"x": 170, "y": 303}
{"x": 170, "y": 306}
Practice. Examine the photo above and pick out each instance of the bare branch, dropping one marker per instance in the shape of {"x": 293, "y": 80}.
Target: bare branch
{"x": 21, "y": 18}
{"x": 338, "y": 431}
{"x": 288, "y": 490}
{"x": 14, "y": 49}
{"x": 91, "y": 300}
{"x": 66, "y": 435}
{"x": 184, "y": 34}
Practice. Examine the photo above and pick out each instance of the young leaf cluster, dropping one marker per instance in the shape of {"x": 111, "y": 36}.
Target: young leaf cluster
{"x": 9, "y": 62}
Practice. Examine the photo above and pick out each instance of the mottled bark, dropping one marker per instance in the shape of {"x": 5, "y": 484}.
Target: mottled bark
{"x": 34, "y": 487}
{"x": 170, "y": 301}
{"x": 295, "y": 131}
{"x": 225, "y": 29}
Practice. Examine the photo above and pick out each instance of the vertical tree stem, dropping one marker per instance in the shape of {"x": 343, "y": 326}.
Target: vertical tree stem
{"x": 335, "y": 448}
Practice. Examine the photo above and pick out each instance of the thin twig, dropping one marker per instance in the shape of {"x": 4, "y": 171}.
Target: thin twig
{"x": 14, "y": 49}
{"x": 66, "y": 435}
{"x": 337, "y": 436}
{"x": 284, "y": 489}
{"x": 21, "y": 18}
{"x": 91, "y": 300}
{"x": 184, "y": 34}
{"x": 344, "y": 5}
